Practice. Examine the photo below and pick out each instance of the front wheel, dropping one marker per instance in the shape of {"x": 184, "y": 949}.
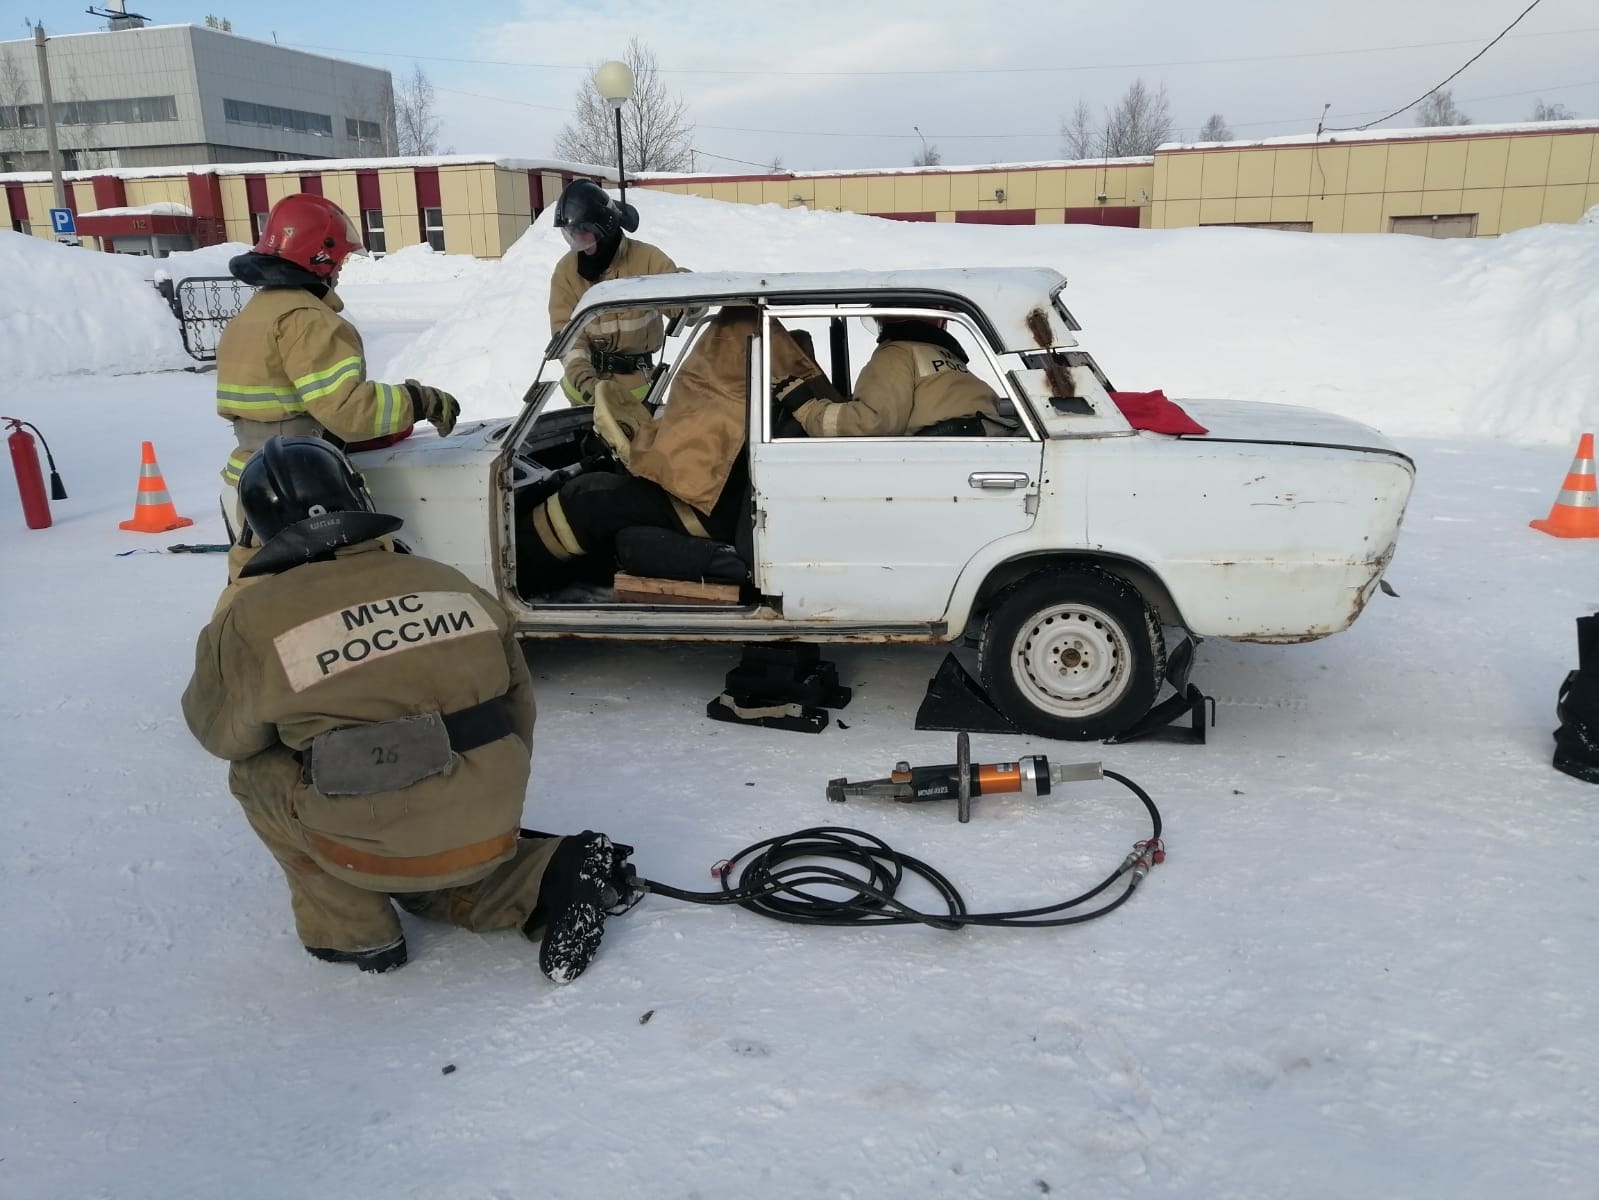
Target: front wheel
{"x": 1071, "y": 653}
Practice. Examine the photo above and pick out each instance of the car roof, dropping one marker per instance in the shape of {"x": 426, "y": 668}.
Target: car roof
{"x": 1016, "y": 301}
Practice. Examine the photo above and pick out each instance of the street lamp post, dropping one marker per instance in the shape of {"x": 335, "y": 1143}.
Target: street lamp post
{"x": 614, "y": 82}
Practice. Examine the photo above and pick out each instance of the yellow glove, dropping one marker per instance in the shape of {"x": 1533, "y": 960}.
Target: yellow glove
{"x": 618, "y": 416}
{"x": 437, "y": 408}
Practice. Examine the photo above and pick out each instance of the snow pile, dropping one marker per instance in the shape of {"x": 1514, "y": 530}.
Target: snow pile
{"x": 1496, "y": 337}
{"x": 1415, "y": 336}
{"x": 65, "y": 310}
{"x": 411, "y": 264}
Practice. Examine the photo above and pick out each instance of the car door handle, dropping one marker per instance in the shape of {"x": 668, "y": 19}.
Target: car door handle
{"x": 998, "y": 480}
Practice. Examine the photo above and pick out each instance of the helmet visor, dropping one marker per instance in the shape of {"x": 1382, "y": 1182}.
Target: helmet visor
{"x": 581, "y": 240}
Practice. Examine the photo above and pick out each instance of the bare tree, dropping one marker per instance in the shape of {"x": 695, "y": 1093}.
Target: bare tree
{"x": 927, "y": 156}
{"x": 655, "y": 125}
{"x": 415, "y": 118}
{"x": 15, "y": 91}
{"x": 1078, "y": 134}
{"x": 220, "y": 24}
{"x": 1140, "y": 121}
{"x": 1551, "y": 112}
{"x": 1439, "y": 108}
{"x": 776, "y": 165}
{"x": 1215, "y": 129}
{"x": 372, "y": 105}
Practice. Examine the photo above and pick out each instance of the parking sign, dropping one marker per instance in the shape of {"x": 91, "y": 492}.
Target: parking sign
{"x": 63, "y": 221}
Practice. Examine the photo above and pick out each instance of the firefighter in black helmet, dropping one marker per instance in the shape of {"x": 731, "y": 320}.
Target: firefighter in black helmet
{"x": 617, "y": 345}
{"x": 378, "y": 716}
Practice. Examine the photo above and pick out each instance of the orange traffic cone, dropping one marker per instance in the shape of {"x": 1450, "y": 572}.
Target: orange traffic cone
{"x": 1576, "y": 510}
{"x": 152, "y": 509}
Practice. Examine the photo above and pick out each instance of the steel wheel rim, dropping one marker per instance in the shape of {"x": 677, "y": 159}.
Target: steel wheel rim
{"x": 1072, "y": 660}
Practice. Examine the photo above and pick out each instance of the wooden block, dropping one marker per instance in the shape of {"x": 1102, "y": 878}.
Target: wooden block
{"x": 640, "y": 589}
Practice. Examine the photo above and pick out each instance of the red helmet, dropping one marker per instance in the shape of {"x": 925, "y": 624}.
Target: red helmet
{"x": 310, "y": 231}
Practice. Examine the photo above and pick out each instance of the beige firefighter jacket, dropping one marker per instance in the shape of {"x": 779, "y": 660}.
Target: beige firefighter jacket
{"x": 641, "y": 331}
{"x": 289, "y": 364}
{"x": 689, "y": 450}
{"x": 373, "y": 636}
{"x": 904, "y": 388}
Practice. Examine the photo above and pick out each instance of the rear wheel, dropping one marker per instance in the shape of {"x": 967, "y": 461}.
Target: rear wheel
{"x": 1071, "y": 653}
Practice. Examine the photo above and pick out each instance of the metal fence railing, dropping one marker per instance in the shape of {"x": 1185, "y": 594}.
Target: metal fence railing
{"x": 204, "y": 305}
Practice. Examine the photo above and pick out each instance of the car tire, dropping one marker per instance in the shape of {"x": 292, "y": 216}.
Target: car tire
{"x": 1071, "y": 653}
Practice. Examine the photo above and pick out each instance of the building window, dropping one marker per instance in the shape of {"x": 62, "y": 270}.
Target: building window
{"x": 269, "y": 116}
{"x": 363, "y": 131}
{"x": 257, "y": 224}
{"x": 377, "y": 243}
{"x": 137, "y": 111}
{"x": 23, "y": 227}
{"x": 1448, "y": 225}
{"x": 433, "y": 227}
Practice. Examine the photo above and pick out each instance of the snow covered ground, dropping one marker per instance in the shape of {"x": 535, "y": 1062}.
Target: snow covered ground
{"x": 1366, "y": 969}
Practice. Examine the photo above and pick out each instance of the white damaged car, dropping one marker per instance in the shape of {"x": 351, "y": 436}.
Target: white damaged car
{"x": 1060, "y": 550}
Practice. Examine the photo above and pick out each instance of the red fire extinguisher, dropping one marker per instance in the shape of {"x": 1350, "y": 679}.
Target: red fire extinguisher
{"x": 30, "y": 481}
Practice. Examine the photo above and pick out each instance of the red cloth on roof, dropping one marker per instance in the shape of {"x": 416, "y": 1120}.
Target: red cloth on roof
{"x": 1152, "y": 411}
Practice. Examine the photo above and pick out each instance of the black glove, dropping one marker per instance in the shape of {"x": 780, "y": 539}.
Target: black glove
{"x": 794, "y": 393}
{"x": 437, "y": 408}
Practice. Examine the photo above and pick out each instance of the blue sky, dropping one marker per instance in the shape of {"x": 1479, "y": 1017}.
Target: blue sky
{"x": 829, "y": 83}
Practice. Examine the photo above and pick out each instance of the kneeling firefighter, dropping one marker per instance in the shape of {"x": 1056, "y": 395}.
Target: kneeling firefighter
{"x": 378, "y": 716}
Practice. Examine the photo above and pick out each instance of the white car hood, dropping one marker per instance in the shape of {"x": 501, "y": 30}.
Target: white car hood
{"x": 1257, "y": 421}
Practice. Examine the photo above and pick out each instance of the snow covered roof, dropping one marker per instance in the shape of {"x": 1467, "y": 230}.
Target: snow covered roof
{"x": 311, "y": 165}
{"x": 1012, "y": 298}
{"x": 1332, "y": 137}
{"x": 162, "y": 208}
{"x": 1140, "y": 160}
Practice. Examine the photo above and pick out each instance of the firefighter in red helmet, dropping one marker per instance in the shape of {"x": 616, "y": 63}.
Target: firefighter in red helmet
{"x": 290, "y": 364}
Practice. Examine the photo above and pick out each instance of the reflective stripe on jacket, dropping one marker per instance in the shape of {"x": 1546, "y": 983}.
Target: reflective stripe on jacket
{"x": 903, "y": 388}
{"x": 635, "y": 331}
{"x": 373, "y": 636}
{"x": 289, "y": 354}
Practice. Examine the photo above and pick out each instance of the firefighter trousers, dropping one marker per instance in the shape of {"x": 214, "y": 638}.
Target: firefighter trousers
{"x": 331, "y": 914}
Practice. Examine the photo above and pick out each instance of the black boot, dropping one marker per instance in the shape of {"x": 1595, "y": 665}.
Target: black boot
{"x": 572, "y": 904}
{"x": 377, "y": 960}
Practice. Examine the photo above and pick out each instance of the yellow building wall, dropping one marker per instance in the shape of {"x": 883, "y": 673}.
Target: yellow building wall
{"x": 935, "y": 192}
{"x": 879, "y": 194}
{"x": 340, "y": 187}
{"x": 1486, "y": 159}
{"x": 1522, "y": 206}
{"x": 1363, "y": 214}
{"x": 1368, "y": 169}
{"x": 1050, "y": 189}
{"x": 156, "y": 191}
{"x": 1021, "y": 189}
{"x": 829, "y": 193}
{"x": 41, "y": 199}
{"x": 1446, "y": 166}
{"x": 279, "y": 186}
{"x": 1570, "y": 159}
{"x": 401, "y": 221}
{"x": 1291, "y": 173}
{"x": 907, "y": 195}
{"x": 1529, "y": 162}
{"x": 1252, "y": 209}
{"x": 1185, "y": 175}
{"x": 1485, "y": 202}
{"x": 1219, "y": 175}
{"x": 235, "y": 208}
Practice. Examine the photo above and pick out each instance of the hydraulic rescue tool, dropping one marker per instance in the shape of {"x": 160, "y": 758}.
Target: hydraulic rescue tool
{"x": 1032, "y": 775}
